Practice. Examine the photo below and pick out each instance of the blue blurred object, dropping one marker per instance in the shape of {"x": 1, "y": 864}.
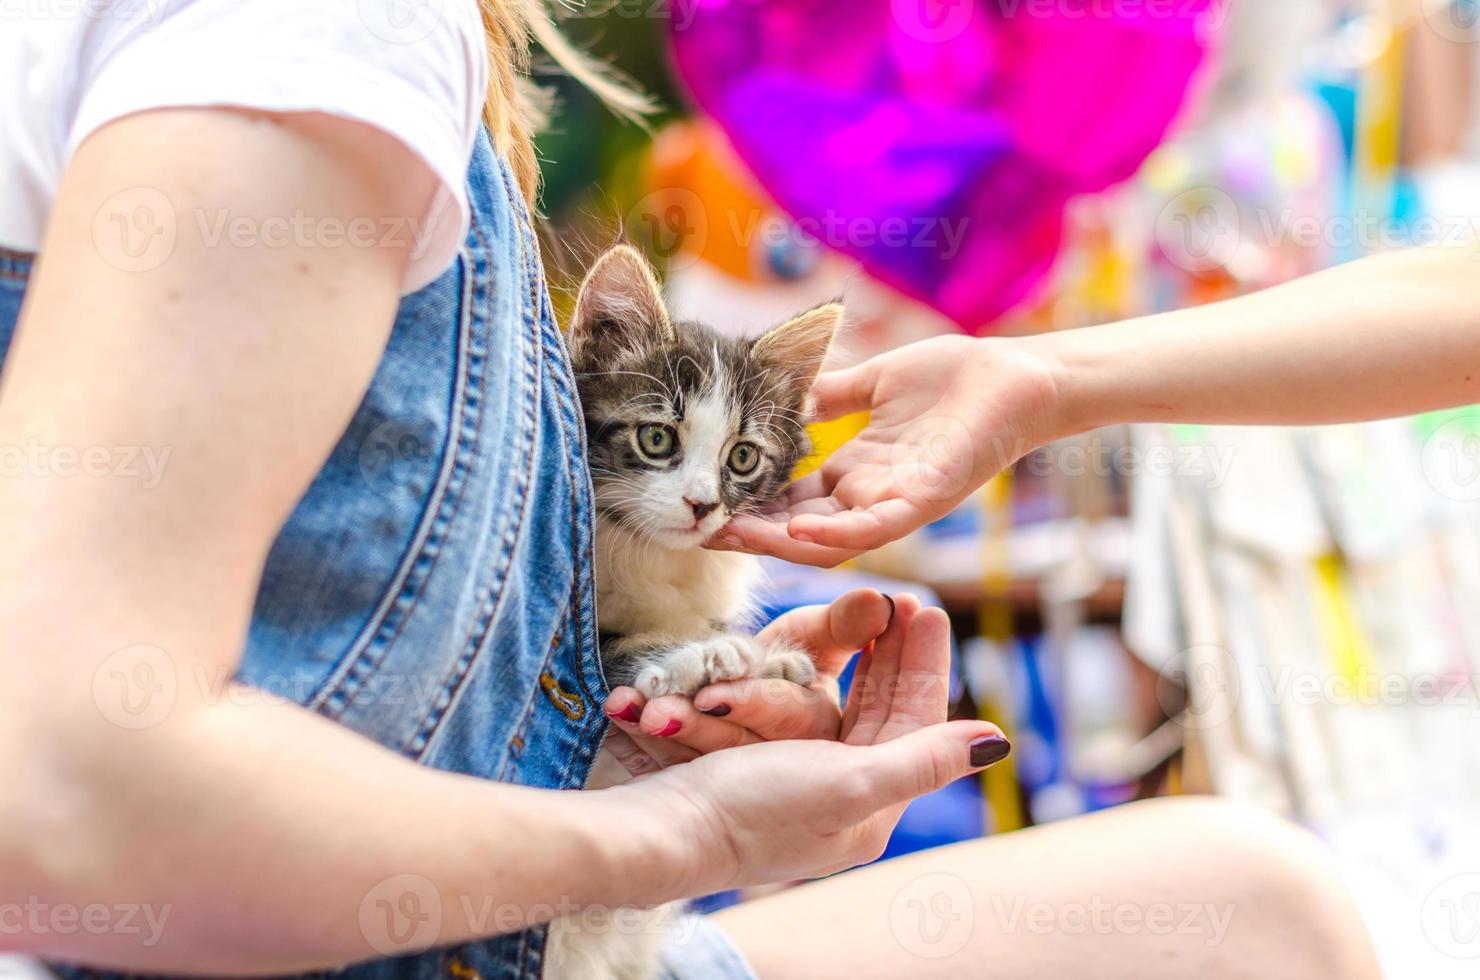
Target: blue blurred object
{"x": 1040, "y": 758}
{"x": 947, "y": 816}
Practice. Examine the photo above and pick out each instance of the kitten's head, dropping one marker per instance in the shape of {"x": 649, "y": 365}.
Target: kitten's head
{"x": 687, "y": 426}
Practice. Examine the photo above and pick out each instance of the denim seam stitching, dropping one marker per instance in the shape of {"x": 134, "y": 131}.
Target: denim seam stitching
{"x": 579, "y": 580}
{"x": 576, "y": 432}
{"x": 369, "y": 649}
{"x": 526, "y": 716}
{"x": 457, "y": 676}
{"x": 531, "y": 955}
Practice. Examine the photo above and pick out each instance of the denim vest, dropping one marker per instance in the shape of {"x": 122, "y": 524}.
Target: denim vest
{"x": 433, "y": 589}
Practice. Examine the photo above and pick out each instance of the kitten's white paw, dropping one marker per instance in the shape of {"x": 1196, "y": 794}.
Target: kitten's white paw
{"x": 789, "y": 665}
{"x": 731, "y": 658}
{"x": 687, "y": 668}
{"x": 676, "y": 673}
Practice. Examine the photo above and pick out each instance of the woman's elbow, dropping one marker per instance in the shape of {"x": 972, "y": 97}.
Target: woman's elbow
{"x": 60, "y": 811}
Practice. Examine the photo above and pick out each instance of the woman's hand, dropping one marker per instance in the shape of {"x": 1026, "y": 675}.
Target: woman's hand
{"x": 648, "y": 735}
{"x": 947, "y": 415}
{"x": 795, "y": 809}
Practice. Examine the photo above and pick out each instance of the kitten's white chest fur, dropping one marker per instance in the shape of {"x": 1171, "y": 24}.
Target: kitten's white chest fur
{"x": 644, "y": 589}
{"x": 675, "y": 619}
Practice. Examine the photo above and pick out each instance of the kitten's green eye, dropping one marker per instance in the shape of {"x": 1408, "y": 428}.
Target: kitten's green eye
{"x": 744, "y": 458}
{"x": 657, "y": 441}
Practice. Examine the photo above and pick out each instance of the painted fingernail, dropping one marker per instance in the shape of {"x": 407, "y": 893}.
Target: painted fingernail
{"x": 989, "y": 750}
{"x": 629, "y": 714}
{"x": 889, "y": 599}
{"x": 802, "y": 536}
{"x": 670, "y": 729}
{"x": 718, "y": 711}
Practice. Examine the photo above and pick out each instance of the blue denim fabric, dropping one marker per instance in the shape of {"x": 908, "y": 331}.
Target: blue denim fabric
{"x": 433, "y": 589}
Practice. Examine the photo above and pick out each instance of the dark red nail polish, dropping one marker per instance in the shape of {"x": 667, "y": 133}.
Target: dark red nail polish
{"x": 989, "y": 750}
{"x": 718, "y": 711}
{"x": 670, "y": 729}
{"x": 629, "y": 714}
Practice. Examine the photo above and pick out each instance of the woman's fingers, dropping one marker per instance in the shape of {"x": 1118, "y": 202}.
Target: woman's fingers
{"x": 921, "y": 693}
{"x": 921, "y": 762}
{"x": 673, "y": 731}
{"x": 874, "y": 683}
{"x": 813, "y": 486}
{"x": 839, "y": 393}
{"x": 629, "y": 754}
{"x": 633, "y": 715}
{"x": 858, "y": 530}
{"x": 907, "y": 685}
{"x": 625, "y": 704}
{"x": 771, "y": 709}
{"x": 759, "y": 536}
{"x": 832, "y": 634}
{"x": 851, "y": 709}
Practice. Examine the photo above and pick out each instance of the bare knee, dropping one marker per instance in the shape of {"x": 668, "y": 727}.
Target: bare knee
{"x": 1280, "y": 889}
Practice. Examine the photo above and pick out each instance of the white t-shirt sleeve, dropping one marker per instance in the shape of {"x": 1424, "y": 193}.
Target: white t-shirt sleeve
{"x": 415, "y": 69}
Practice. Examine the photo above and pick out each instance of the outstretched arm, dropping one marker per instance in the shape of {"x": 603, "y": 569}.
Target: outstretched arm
{"x": 1389, "y": 335}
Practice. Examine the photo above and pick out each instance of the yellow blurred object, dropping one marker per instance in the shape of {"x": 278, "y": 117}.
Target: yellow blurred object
{"x": 1000, "y": 783}
{"x": 826, "y": 438}
{"x": 1377, "y": 141}
{"x": 1167, "y": 169}
{"x": 1346, "y": 642}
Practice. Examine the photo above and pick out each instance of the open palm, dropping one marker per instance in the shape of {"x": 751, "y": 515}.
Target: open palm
{"x": 947, "y": 415}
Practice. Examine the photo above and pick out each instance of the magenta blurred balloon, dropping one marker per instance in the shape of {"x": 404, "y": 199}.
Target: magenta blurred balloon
{"x": 937, "y": 141}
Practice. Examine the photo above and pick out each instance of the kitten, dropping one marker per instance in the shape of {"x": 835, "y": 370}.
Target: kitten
{"x": 686, "y": 428}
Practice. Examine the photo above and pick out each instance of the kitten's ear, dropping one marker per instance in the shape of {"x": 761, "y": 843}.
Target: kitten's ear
{"x": 620, "y": 306}
{"x": 799, "y": 345}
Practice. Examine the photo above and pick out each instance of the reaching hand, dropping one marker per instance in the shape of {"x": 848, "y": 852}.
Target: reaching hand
{"x": 791, "y": 809}
{"x": 947, "y": 415}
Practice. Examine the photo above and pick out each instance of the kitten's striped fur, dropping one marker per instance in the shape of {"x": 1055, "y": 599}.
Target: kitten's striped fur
{"x": 668, "y": 607}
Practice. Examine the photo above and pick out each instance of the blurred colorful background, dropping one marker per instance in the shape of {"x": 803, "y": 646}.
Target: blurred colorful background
{"x": 1286, "y": 617}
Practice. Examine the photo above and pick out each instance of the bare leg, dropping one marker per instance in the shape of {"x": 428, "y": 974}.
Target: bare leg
{"x": 1188, "y": 888}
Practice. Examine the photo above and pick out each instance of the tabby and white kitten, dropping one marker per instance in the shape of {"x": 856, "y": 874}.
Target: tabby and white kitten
{"x": 686, "y": 428}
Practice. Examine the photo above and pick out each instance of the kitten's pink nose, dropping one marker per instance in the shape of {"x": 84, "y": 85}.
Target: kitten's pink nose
{"x": 701, "y": 510}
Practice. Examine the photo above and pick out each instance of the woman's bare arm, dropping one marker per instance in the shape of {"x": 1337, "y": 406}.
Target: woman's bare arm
{"x": 262, "y": 826}
{"x": 1390, "y": 335}
{"x": 268, "y": 839}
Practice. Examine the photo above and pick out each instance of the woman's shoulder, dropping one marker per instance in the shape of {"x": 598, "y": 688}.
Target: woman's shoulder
{"x": 416, "y": 69}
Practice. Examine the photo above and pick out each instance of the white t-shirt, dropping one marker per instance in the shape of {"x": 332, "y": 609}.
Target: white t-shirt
{"x": 414, "y": 68}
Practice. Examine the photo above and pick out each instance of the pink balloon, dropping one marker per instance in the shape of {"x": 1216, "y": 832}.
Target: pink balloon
{"x": 938, "y": 141}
